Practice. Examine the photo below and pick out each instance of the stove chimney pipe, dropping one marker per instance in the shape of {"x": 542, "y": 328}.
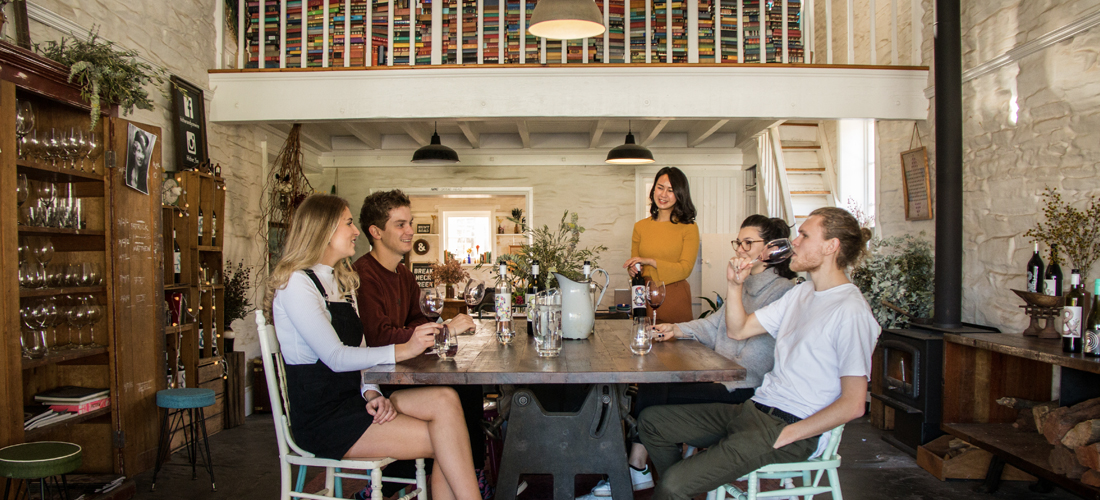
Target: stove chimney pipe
{"x": 949, "y": 174}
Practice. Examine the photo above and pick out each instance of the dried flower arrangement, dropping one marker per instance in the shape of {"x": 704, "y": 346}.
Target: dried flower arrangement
{"x": 238, "y": 282}
{"x": 1075, "y": 231}
{"x": 449, "y": 273}
{"x": 899, "y": 270}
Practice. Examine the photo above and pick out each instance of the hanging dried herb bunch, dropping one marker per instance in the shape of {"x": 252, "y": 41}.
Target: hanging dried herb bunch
{"x": 1077, "y": 232}
{"x": 285, "y": 188}
{"x": 105, "y": 74}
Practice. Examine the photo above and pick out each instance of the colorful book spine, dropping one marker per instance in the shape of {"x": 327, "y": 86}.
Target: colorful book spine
{"x": 82, "y": 408}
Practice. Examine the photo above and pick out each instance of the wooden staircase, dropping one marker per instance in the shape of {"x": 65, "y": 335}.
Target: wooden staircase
{"x": 805, "y": 168}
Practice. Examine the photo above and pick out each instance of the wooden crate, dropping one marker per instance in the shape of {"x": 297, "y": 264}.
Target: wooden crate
{"x": 970, "y": 465}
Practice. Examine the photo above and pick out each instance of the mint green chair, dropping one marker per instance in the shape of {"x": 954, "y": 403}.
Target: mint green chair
{"x": 811, "y": 472}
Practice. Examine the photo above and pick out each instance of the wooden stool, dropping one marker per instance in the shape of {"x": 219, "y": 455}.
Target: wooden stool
{"x": 39, "y": 460}
{"x": 179, "y": 403}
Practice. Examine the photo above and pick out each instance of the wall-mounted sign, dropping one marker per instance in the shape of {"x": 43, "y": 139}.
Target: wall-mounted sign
{"x": 421, "y": 246}
{"x": 423, "y": 274}
{"x": 189, "y": 117}
{"x": 918, "y": 190}
{"x": 423, "y": 229}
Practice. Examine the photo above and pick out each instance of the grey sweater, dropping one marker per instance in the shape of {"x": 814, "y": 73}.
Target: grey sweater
{"x": 757, "y": 354}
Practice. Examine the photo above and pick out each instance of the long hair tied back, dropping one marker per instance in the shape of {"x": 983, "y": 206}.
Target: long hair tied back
{"x": 842, "y": 225}
{"x": 772, "y": 228}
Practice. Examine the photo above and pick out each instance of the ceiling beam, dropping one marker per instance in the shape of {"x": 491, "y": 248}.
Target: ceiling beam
{"x": 596, "y": 133}
{"x": 422, "y": 134}
{"x": 651, "y": 130}
{"x": 312, "y": 135}
{"x": 473, "y": 136}
{"x": 524, "y": 134}
{"x": 749, "y": 130}
{"x": 702, "y": 130}
{"x": 365, "y": 134}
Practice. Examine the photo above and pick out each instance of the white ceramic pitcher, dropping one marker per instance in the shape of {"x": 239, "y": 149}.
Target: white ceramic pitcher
{"x": 578, "y": 310}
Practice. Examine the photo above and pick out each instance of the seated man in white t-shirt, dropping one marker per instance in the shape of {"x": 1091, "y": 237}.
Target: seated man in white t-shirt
{"x": 824, "y": 335}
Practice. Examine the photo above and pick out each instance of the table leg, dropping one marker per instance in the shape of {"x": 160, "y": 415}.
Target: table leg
{"x": 590, "y": 441}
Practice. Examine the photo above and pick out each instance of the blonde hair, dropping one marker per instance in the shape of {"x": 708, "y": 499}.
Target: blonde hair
{"x": 842, "y": 225}
{"x": 311, "y": 229}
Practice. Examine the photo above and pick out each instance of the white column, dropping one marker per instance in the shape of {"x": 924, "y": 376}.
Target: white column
{"x": 261, "y": 16}
{"x": 241, "y": 12}
{"x": 894, "y": 32}
{"x": 740, "y": 34}
{"x": 874, "y": 33}
{"x": 367, "y": 35}
{"x": 480, "y": 31}
{"x": 829, "y": 31}
{"x": 693, "y": 30}
{"x": 282, "y": 33}
{"x": 347, "y": 33}
{"x": 785, "y": 58}
{"x": 851, "y": 32}
{"x": 389, "y": 33}
{"x": 648, "y": 31}
{"x": 437, "y": 32}
{"x": 219, "y": 32}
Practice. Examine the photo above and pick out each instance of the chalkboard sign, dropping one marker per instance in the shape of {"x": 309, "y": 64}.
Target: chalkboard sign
{"x": 423, "y": 274}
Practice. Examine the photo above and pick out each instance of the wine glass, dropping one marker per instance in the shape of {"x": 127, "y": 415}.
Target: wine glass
{"x": 24, "y": 123}
{"x": 655, "y": 295}
{"x": 93, "y": 314}
{"x": 51, "y": 146}
{"x": 473, "y": 294}
{"x": 431, "y": 304}
{"x": 641, "y": 338}
{"x": 22, "y": 190}
{"x": 43, "y": 250}
{"x": 95, "y": 150}
{"x": 776, "y": 251}
{"x": 76, "y": 314}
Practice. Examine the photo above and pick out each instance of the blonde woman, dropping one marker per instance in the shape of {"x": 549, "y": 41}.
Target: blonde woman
{"x": 310, "y": 298}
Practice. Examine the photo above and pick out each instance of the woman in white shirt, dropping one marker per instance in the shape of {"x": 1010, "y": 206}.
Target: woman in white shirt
{"x": 310, "y": 300}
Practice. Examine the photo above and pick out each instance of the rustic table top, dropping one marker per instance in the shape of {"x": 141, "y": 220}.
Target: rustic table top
{"x": 1034, "y": 348}
{"x": 604, "y": 357}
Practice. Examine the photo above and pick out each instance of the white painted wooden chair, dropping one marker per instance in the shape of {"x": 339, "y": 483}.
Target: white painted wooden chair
{"x": 811, "y": 472}
{"x": 290, "y": 454}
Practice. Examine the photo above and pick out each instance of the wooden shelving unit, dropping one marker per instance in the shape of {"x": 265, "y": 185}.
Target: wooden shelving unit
{"x": 118, "y": 224}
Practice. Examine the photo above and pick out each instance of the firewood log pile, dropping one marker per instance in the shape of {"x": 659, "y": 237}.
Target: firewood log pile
{"x": 1073, "y": 430}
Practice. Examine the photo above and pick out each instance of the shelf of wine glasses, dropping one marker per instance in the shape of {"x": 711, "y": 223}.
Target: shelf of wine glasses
{"x": 60, "y": 231}
{"x": 38, "y": 433}
{"x": 54, "y": 357}
{"x": 40, "y": 172}
{"x": 49, "y": 292}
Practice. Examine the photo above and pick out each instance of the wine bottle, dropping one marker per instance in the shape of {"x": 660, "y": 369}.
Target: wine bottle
{"x": 637, "y": 292}
{"x": 1092, "y": 325}
{"x": 503, "y": 303}
{"x": 214, "y": 228}
{"x": 1052, "y": 280}
{"x": 1035, "y": 272}
{"x": 1071, "y": 314}
{"x": 199, "y": 241}
{"x": 534, "y": 286}
{"x": 176, "y": 258}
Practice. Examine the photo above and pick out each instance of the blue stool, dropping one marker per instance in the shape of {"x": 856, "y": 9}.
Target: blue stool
{"x": 39, "y": 461}
{"x": 178, "y": 403}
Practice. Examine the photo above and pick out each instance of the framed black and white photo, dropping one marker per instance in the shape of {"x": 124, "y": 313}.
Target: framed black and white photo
{"x": 189, "y": 116}
{"x": 423, "y": 229}
{"x": 139, "y": 149}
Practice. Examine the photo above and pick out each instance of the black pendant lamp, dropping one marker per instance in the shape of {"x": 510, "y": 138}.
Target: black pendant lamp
{"x": 435, "y": 152}
{"x": 629, "y": 153}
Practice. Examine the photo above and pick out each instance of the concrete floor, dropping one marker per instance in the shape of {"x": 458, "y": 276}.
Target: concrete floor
{"x": 247, "y": 468}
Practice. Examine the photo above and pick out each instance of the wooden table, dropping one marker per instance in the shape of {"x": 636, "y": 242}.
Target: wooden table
{"x": 979, "y": 368}
{"x": 563, "y": 444}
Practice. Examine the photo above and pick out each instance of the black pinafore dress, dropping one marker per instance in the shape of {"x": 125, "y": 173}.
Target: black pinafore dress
{"x": 327, "y": 411}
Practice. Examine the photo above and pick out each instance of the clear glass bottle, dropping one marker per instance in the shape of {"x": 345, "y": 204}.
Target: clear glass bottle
{"x": 503, "y": 302}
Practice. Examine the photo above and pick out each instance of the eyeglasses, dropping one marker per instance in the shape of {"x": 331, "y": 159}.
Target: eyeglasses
{"x": 745, "y": 244}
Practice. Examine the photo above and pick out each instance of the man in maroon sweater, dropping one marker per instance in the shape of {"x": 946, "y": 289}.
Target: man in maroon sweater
{"x": 389, "y": 306}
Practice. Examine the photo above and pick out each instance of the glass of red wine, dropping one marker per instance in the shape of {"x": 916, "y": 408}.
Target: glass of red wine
{"x": 775, "y": 251}
{"x": 431, "y": 304}
{"x": 655, "y": 296}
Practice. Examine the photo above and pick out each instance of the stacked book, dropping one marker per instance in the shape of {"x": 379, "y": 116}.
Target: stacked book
{"x": 615, "y": 31}
{"x": 490, "y": 37}
{"x": 62, "y": 403}
{"x": 511, "y": 23}
{"x": 531, "y": 45}
{"x": 637, "y": 31}
{"x": 729, "y": 26}
{"x": 706, "y": 31}
{"x": 380, "y": 32}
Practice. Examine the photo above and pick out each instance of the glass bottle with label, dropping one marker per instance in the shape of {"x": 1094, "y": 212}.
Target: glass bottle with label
{"x": 1092, "y": 325}
{"x": 1072, "y": 317}
{"x": 199, "y": 241}
{"x": 637, "y": 293}
{"x": 176, "y": 258}
{"x": 1035, "y": 272}
{"x": 534, "y": 286}
{"x": 503, "y": 303}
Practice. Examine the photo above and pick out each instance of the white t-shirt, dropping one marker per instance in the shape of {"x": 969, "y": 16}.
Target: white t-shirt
{"x": 819, "y": 337}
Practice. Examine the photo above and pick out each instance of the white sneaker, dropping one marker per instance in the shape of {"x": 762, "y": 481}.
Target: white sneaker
{"x": 602, "y": 489}
{"x": 641, "y": 479}
{"x": 522, "y": 486}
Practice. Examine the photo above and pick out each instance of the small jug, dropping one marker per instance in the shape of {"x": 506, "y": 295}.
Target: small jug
{"x": 578, "y": 310}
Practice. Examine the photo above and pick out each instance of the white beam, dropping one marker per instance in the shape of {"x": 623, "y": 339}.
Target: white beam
{"x": 700, "y": 132}
{"x": 524, "y": 134}
{"x": 316, "y": 138}
{"x": 473, "y": 136}
{"x": 646, "y": 135}
{"x": 366, "y": 135}
{"x": 422, "y": 134}
{"x": 597, "y": 132}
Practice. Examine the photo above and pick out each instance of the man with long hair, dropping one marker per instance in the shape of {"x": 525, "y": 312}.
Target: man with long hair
{"x": 824, "y": 335}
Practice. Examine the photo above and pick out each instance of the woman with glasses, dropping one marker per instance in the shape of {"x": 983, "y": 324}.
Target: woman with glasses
{"x": 765, "y": 284}
{"x": 666, "y": 243}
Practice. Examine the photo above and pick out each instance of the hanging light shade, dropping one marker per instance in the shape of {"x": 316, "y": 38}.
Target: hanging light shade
{"x": 566, "y": 19}
{"x": 435, "y": 152}
{"x": 629, "y": 153}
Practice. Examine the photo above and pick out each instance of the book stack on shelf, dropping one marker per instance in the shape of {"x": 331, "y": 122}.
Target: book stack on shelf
{"x": 401, "y": 26}
{"x": 727, "y": 37}
{"x": 423, "y": 39}
{"x": 315, "y": 26}
{"x": 574, "y": 49}
{"x": 512, "y": 17}
{"x": 294, "y": 33}
{"x": 659, "y": 42}
{"x": 357, "y": 38}
{"x": 270, "y": 9}
{"x": 469, "y": 31}
{"x": 616, "y": 12}
{"x": 380, "y": 32}
{"x": 751, "y": 24}
{"x": 553, "y": 51}
{"x": 677, "y": 29}
{"x": 337, "y": 42}
{"x": 637, "y": 31}
{"x": 531, "y": 46}
{"x": 63, "y": 403}
{"x": 706, "y": 31}
{"x": 490, "y": 35}
{"x": 794, "y": 31}
{"x": 448, "y": 32}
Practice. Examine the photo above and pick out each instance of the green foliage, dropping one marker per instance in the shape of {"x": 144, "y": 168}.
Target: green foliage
{"x": 898, "y": 270}
{"x": 106, "y": 76}
{"x": 556, "y": 251}
{"x": 713, "y": 304}
{"x": 1076, "y": 231}
{"x": 238, "y": 282}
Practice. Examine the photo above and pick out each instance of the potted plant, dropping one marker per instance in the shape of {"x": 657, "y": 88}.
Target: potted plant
{"x": 449, "y": 273}
{"x": 238, "y": 283}
{"x": 518, "y": 219}
{"x": 106, "y": 76}
{"x": 556, "y": 250}
{"x": 1075, "y": 231}
{"x": 898, "y": 271}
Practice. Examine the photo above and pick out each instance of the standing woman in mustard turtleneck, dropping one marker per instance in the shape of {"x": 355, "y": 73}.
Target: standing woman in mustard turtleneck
{"x": 667, "y": 242}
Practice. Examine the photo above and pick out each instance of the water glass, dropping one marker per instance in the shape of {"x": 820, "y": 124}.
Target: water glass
{"x": 33, "y": 343}
{"x": 446, "y": 343}
{"x": 641, "y": 339}
{"x": 547, "y": 310}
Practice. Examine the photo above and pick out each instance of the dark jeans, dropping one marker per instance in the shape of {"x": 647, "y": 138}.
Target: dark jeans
{"x": 472, "y": 399}
{"x": 738, "y": 440}
{"x": 685, "y": 394}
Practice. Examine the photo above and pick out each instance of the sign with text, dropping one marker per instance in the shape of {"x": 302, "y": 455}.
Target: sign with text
{"x": 189, "y": 117}
{"x": 918, "y": 190}
{"x": 422, "y": 271}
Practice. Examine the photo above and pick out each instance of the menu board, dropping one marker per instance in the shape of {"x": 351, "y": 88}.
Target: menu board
{"x": 918, "y": 192}
{"x": 422, "y": 271}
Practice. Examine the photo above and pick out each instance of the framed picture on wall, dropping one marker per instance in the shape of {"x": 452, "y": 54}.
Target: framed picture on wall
{"x": 423, "y": 229}
{"x": 189, "y": 118}
{"x": 915, "y": 180}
